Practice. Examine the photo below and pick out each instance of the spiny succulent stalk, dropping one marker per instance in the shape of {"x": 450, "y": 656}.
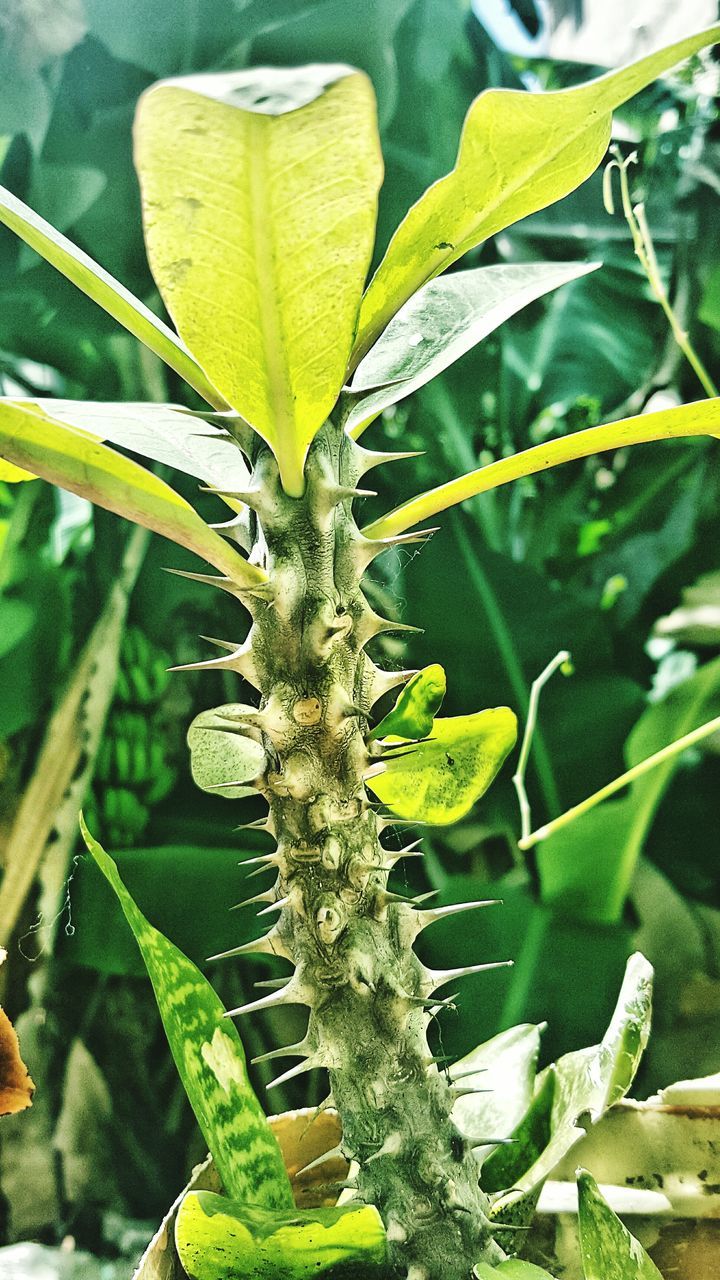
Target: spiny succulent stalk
{"x": 348, "y": 936}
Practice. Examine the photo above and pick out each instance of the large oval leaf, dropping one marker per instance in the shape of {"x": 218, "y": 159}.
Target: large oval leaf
{"x": 519, "y": 152}
{"x": 259, "y": 196}
{"x": 440, "y": 323}
{"x": 439, "y": 780}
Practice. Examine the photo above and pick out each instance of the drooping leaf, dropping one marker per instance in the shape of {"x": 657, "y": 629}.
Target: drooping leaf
{"x": 259, "y": 192}
{"x": 440, "y": 323}
{"x": 504, "y": 1074}
{"x": 99, "y": 285}
{"x": 439, "y": 780}
{"x": 163, "y": 432}
{"x": 609, "y": 1251}
{"x": 219, "y": 755}
{"x": 210, "y": 1060}
{"x": 416, "y": 706}
{"x": 512, "y": 1269}
{"x": 77, "y": 461}
{"x": 584, "y": 1083}
{"x": 219, "y": 1239}
{"x": 519, "y": 152}
{"x": 699, "y": 419}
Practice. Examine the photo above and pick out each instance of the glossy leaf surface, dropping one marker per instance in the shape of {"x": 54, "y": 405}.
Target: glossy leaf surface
{"x": 416, "y": 706}
{"x": 113, "y": 297}
{"x": 699, "y": 419}
{"x": 77, "y": 461}
{"x": 609, "y": 1251}
{"x": 219, "y": 756}
{"x": 440, "y": 323}
{"x": 218, "y": 1239}
{"x": 439, "y": 780}
{"x": 519, "y": 152}
{"x": 259, "y": 195}
{"x": 210, "y": 1060}
{"x": 504, "y": 1074}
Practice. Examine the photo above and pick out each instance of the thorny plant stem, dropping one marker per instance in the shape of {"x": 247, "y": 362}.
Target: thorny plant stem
{"x": 645, "y": 251}
{"x": 624, "y": 780}
{"x": 561, "y": 659}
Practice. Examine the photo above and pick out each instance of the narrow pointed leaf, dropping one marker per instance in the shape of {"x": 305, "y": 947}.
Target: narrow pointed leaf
{"x": 608, "y": 1250}
{"x": 417, "y": 705}
{"x": 163, "y": 432}
{"x": 440, "y": 323}
{"x": 699, "y": 419}
{"x": 438, "y": 781}
{"x": 512, "y": 1269}
{"x": 505, "y": 1076}
{"x": 210, "y": 1060}
{"x": 220, "y": 1239}
{"x": 219, "y": 756}
{"x": 112, "y": 296}
{"x": 79, "y": 462}
{"x": 519, "y": 152}
{"x": 259, "y": 195}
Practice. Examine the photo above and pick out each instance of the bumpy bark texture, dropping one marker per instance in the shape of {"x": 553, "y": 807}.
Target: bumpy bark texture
{"x": 350, "y": 940}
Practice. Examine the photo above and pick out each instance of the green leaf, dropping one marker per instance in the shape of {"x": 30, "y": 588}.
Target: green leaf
{"x": 99, "y": 285}
{"x": 77, "y": 461}
{"x": 519, "y": 152}
{"x": 512, "y": 1269}
{"x": 16, "y": 621}
{"x": 221, "y": 755}
{"x": 609, "y": 1251}
{"x": 218, "y": 1239}
{"x": 165, "y": 433}
{"x": 583, "y": 1083}
{"x": 439, "y": 324}
{"x": 417, "y": 705}
{"x": 698, "y": 419}
{"x": 259, "y": 194}
{"x": 504, "y": 1070}
{"x": 210, "y": 1060}
{"x": 587, "y": 867}
{"x": 439, "y": 780}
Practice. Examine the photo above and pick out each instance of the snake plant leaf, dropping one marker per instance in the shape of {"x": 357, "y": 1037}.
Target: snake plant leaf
{"x": 219, "y": 1239}
{"x": 503, "y": 1071}
{"x": 702, "y": 418}
{"x": 511, "y": 1269}
{"x": 519, "y": 152}
{"x": 584, "y": 1083}
{"x": 165, "y": 433}
{"x": 219, "y": 756}
{"x": 78, "y": 461}
{"x": 608, "y": 1250}
{"x": 112, "y": 296}
{"x": 440, "y": 323}
{"x": 209, "y": 1057}
{"x": 438, "y": 780}
{"x": 416, "y": 707}
{"x": 260, "y": 197}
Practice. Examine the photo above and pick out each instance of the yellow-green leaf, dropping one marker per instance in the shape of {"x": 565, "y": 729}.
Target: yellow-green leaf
{"x": 609, "y": 1251}
{"x": 439, "y": 780}
{"x": 519, "y": 152}
{"x": 220, "y": 1239}
{"x": 259, "y": 197}
{"x": 112, "y": 296}
{"x": 699, "y": 419}
{"x": 78, "y": 461}
{"x": 416, "y": 706}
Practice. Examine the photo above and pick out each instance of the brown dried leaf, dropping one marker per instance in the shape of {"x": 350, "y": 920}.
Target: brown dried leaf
{"x": 16, "y": 1087}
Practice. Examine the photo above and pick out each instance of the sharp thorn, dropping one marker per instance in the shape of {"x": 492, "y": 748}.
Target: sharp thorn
{"x": 298, "y": 1050}
{"x": 267, "y": 896}
{"x": 438, "y": 977}
{"x": 274, "y": 906}
{"x": 222, "y": 644}
{"x": 425, "y": 918}
{"x": 289, "y": 994}
{"x": 270, "y": 984}
{"x": 334, "y": 1153}
{"x": 269, "y": 944}
{"x": 299, "y": 1070}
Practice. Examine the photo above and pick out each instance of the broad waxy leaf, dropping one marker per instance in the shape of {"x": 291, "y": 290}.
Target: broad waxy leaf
{"x": 701, "y": 418}
{"x": 163, "y": 432}
{"x": 218, "y": 1239}
{"x": 259, "y": 196}
{"x": 505, "y": 1067}
{"x": 112, "y": 296}
{"x": 77, "y": 461}
{"x": 439, "y": 780}
{"x": 219, "y": 755}
{"x": 512, "y": 1269}
{"x": 609, "y": 1251}
{"x": 519, "y": 152}
{"x": 440, "y": 323}
{"x": 416, "y": 706}
{"x": 586, "y": 1082}
{"x": 210, "y": 1060}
